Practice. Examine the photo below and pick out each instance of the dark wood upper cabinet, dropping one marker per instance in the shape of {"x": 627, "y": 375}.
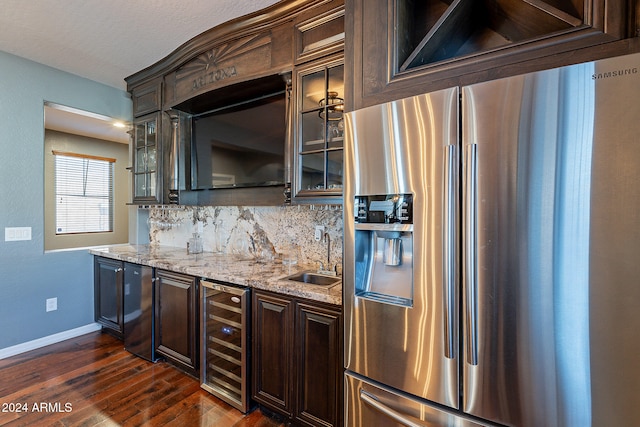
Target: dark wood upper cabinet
{"x": 319, "y": 32}
{"x": 147, "y": 98}
{"x": 404, "y": 47}
{"x": 245, "y": 59}
{"x": 433, "y": 31}
{"x": 318, "y": 157}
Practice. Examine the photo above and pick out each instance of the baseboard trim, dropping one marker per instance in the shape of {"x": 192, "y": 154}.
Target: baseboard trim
{"x": 48, "y": 340}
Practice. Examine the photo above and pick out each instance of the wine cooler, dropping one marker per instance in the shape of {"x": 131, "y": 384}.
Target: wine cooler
{"x": 225, "y": 343}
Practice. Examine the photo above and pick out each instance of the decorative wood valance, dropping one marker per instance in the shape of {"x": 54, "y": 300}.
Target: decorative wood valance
{"x": 223, "y": 65}
{"x": 252, "y": 46}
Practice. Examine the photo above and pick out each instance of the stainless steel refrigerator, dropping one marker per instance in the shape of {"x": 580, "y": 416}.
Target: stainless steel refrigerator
{"x": 492, "y": 253}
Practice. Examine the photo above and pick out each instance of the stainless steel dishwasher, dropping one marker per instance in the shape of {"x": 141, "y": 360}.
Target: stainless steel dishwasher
{"x": 224, "y": 367}
{"x": 139, "y": 311}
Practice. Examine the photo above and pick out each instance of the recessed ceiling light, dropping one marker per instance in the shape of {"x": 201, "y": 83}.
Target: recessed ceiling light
{"x": 118, "y": 124}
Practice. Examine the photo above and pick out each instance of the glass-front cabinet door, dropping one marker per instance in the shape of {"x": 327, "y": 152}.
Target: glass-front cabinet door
{"x": 145, "y": 159}
{"x": 320, "y": 128}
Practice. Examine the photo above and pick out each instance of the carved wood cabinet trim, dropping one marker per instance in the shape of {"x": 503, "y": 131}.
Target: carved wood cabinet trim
{"x": 275, "y": 20}
{"x": 225, "y": 64}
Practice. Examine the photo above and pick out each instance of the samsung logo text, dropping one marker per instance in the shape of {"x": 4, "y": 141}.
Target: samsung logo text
{"x": 614, "y": 73}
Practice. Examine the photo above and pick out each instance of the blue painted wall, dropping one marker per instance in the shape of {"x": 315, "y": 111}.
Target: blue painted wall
{"x": 28, "y": 276}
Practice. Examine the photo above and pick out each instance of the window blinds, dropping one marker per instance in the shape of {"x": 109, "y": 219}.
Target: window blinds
{"x": 84, "y": 193}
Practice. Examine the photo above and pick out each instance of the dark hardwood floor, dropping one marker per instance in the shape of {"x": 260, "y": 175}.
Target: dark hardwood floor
{"x": 92, "y": 381}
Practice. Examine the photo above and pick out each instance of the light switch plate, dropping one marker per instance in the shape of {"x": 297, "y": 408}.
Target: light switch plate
{"x": 13, "y": 234}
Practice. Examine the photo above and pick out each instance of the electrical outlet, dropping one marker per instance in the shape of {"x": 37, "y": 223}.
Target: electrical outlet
{"x": 52, "y": 304}
{"x": 317, "y": 235}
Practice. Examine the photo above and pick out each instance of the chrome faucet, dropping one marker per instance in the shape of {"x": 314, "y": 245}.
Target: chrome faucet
{"x": 328, "y": 270}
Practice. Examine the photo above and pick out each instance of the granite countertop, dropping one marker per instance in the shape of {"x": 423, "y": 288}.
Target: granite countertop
{"x": 225, "y": 268}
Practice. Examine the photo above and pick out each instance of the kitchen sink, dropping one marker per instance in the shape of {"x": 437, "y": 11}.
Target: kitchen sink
{"x": 311, "y": 278}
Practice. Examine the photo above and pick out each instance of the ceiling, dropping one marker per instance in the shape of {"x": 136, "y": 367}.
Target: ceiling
{"x": 78, "y": 122}
{"x": 106, "y": 41}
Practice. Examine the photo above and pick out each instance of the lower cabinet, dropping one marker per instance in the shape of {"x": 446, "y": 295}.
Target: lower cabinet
{"x": 177, "y": 324}
{"x": 108, "y": 299}
{"x": 297, "y": 358}
{"x": 319, "y": 373}
{"x": 272, "y": 351}
{"x": 296, "y": 348}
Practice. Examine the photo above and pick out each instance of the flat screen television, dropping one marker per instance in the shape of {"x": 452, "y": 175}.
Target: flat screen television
{"x": 242, "y": 145}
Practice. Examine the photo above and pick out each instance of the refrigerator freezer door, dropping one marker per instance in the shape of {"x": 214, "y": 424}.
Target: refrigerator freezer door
{"x": 368, "y": 404}
{"x": 551, "y": 209}
{"x": 405, "y": 338}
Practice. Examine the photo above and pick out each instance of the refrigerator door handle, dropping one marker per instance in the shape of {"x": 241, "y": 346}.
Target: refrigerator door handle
{"x": 471, "y": 262}
{"x": 403, "y": 419}
{"x": 449, "y": 252}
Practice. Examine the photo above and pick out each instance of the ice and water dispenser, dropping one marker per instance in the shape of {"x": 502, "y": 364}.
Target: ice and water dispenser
{"x": 384, "y": 248}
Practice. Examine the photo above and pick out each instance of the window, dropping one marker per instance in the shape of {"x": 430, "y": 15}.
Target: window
{"x": 84, "y": 193}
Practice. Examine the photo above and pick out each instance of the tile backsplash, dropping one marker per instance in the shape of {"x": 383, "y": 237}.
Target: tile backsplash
{"x": 257, "y": 232}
